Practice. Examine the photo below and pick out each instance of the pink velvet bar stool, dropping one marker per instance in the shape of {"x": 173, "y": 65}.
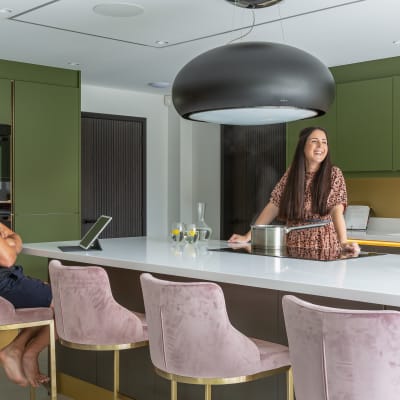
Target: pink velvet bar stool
{"x": 343, "y": 354}
{"x": 20, "y": 318}
{"x": 192, "y": 340}
{"x": 87, "y": 316}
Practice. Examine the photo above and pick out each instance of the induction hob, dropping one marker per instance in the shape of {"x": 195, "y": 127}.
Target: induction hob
{"x": 320, "y": 254}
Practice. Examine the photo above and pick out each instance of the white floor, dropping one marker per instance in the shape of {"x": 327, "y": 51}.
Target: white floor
{"x": 11, "y": 391}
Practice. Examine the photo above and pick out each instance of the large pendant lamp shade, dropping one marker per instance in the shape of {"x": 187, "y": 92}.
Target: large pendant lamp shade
{"x": 253, "y": 83}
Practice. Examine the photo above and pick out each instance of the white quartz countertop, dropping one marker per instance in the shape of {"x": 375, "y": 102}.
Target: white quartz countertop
{"x": 371, "y": 279}
{"x": 379, "y": 229}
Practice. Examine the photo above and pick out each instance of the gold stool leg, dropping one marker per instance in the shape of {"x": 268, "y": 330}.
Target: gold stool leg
{"x": 32, "y": 393}
{"x": 207, "y": 392}
{"x": 53, "y": 374}
{"x": 289, "y": 384}
{"x": 174, "y": 390}
{"x": 116, "y": 374}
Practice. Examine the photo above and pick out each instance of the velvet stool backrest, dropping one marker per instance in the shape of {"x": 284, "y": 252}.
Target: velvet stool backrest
{"x": 190, "y": 333}
{"x": 85, "y": 310}
{"x": 340, "y": 354}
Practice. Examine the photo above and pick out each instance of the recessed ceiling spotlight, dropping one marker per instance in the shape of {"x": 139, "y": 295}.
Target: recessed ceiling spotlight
{"x": 73, "y": 64}
{"x": 118, "y": 9}
{"x": 161, "y": 42}
{"x": 159, "y": 85}
{"x": 396, "y": 42}
{"x": 6, "y": 10}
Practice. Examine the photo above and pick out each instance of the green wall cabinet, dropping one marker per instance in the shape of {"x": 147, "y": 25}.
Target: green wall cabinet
{"x": 365, "y": 125}
{"x": 47, "y": 144}
{"x": 327, "y": 121}
{"x": 5, "y": 101}
{"x": 43, "y": 106}
{"x": 396, "y": 123}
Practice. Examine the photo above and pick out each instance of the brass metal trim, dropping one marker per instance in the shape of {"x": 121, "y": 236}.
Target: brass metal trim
{"x": 376, "y": 242}
{"x": 289, "y": 384}
{"x": 22, "y": 325}
{"x": 220, "y": 381}
{"x": 103, "y": 347}
{"x": 76, "y": 388}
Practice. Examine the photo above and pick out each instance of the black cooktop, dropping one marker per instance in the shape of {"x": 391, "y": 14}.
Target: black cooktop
{"x": 324, "y": 254}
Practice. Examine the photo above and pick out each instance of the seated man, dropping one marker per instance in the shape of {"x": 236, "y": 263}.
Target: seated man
{"x": 20, "y": 357}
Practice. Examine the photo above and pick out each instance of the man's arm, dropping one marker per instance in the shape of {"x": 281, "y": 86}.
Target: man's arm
{"x": 10, "y": 246}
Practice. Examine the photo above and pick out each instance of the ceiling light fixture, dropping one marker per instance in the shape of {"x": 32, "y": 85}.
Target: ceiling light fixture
{"x": 253, "y": 3}
{"x": 6, "y": 10}
{"x": 253, "y": 83}
{"x": 121, "y": 10}
{"x": 159, "y": 85}
{"x": 396, "y": 42}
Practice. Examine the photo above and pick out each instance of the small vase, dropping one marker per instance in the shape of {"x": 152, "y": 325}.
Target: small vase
{"x": 202, "y": 228}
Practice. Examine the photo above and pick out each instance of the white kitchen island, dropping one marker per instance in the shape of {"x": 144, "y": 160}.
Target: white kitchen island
{"x": 369, "y": 279}
{"x": 253, "y": 286}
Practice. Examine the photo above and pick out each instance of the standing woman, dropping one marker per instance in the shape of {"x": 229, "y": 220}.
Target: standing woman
{"x": 311, "y": 190}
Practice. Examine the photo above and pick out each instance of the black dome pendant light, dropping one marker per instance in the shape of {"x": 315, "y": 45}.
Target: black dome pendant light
{"x": 253, "y": 83}
{"x": 253, "y": 3}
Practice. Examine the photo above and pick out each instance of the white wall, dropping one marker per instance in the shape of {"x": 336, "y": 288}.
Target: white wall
{"x": 122, "y": 102}
{"x": 183, "y": 158}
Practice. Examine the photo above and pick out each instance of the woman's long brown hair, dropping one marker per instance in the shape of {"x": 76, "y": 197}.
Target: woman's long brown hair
{"x": 292, "y": 201}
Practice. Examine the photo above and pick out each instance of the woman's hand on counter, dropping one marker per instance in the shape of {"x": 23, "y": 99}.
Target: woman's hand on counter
{"x": 351, "y": 248}
{"x": 235, "y": 238}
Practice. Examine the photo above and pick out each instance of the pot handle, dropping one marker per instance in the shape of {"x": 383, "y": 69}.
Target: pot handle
{"x": 316, "y": 225}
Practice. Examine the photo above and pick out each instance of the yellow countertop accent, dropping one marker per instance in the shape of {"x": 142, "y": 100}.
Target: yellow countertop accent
{"x": 376, "y": 242}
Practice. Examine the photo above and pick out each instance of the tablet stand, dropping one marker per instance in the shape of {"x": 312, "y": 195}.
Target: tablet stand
{"x": 95, "y": 245}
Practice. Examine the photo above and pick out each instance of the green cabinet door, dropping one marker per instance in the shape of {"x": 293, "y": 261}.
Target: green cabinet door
{"x": 47, "y": 149}
{"x": 327, "y": 121}
{"x": 396, "y": 123}
{"x": 5, "y": 101}
{"x": 364, "y": 125}
{"x": 44, "y": 228}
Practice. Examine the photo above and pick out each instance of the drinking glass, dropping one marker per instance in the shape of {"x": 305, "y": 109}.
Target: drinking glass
{"x": 190, "y": 233}
{"x": 176, "y": 233}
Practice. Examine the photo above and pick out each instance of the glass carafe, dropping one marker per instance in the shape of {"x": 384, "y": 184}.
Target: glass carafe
{"x": 202, "y": 228}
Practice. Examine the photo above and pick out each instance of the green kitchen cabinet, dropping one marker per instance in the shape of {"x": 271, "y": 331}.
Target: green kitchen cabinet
{"x": 327, "y": 121}
{"x": 46, "y": 195}
{"x": 44, "y": 228}
{"x": 5, "y": 101}
{"x": 42, "y": 104}
{"x": 46, "y": 149}
{"x": 364, "y": 138}
{"x": 396, "y": 123}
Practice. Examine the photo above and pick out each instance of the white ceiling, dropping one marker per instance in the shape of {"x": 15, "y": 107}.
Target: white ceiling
{"x": 122, "y": 52}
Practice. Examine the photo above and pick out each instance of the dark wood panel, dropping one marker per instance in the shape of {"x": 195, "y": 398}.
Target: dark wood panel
{"x": 253, "y": 160}
{"x": 114, "y": 173}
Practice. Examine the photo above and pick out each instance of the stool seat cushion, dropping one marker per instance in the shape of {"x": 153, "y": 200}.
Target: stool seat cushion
{"x": 9, "y": 315}
{"x": 272, "y": 355}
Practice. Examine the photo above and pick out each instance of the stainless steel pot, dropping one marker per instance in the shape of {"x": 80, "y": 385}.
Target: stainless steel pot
{"x": 274, "y": 236}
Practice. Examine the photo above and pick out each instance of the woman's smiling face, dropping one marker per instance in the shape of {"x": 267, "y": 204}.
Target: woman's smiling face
{"x": 315, "y": 149}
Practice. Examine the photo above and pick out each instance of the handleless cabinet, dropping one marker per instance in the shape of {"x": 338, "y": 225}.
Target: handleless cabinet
{"x": 365, "y": 125}
{"x": 396, "y": 123}
{"x": 5, "y": 101}
{"x": 42, "y": 105}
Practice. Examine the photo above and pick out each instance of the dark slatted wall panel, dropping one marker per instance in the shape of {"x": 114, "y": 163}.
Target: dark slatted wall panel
{"x": 253, "y": 160}
{"x": 113, "y": 173}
